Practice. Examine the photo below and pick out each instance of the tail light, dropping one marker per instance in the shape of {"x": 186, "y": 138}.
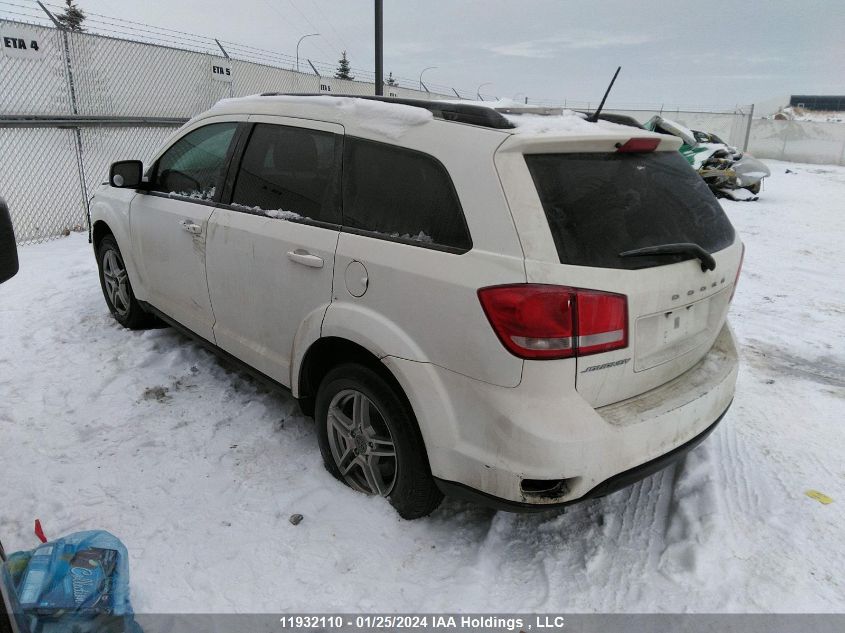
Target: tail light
{"x": 637, "y": 145}
{"x": 738, "y": 270}
{"x": 539, "y": 321}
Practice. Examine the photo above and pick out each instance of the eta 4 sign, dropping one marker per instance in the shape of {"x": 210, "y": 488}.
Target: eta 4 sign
{"x": 21, "y": 43}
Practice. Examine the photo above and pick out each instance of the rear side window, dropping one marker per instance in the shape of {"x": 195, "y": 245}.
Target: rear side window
{"x": 600, "y": 205}
{"x": 193, "y": 165}
{"x": 290, "y": 173}
{"x": 401, "y": 194}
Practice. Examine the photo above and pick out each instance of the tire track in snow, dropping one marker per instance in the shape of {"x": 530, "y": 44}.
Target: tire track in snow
{"x": 742, "y": 499}
{"x": 633, "y": 543}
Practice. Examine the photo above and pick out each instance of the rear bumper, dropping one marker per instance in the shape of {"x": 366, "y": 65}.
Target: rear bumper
{"x": 487, "y": 439}
{"x": 609, "y": 486}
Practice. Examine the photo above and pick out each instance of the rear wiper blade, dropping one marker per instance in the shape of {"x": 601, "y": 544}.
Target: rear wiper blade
{"x": 682, "y": 248}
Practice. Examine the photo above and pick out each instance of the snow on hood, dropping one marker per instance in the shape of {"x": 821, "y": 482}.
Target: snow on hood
{"x": 677, "y": 129}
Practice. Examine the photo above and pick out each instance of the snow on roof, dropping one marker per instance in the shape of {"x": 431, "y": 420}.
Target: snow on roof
{"x": 568, "y": 123}
{"x": 392, "y": 120}
{"x": 529, "y": 119}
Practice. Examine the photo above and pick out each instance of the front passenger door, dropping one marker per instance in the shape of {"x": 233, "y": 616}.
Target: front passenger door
{"x": 168, "y": 225}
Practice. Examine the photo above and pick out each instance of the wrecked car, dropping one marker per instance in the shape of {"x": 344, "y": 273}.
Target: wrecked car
{"x": 728, "y": 171}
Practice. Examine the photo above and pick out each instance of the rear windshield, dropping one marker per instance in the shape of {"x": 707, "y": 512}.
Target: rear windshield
{"x": 600, "y": 205}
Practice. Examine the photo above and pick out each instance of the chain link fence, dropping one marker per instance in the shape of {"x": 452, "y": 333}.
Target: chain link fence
{"x": 71, "y": 103}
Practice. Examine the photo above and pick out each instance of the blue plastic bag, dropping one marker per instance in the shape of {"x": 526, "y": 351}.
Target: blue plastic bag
{"x": 76, "y": 583}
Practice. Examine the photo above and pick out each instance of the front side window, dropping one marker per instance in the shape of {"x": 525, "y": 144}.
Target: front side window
{"x": 290, "y": 173}
{"x": 401, "y": 194}
{"x": 193, "y": 166}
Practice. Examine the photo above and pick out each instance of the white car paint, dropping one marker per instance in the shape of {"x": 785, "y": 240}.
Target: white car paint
{"x": 488, "y": 418}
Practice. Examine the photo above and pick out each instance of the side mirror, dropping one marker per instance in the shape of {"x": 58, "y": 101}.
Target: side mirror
{"x": 126, "y": 174}
{"x": 8, "y": 247}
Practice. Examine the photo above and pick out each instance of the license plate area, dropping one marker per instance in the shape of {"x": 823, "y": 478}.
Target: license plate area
{"x": 663, "y": 336}
{"x": 682, "y": 323}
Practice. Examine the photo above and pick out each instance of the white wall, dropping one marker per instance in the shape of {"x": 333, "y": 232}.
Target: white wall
{"x": 798, "y": 141}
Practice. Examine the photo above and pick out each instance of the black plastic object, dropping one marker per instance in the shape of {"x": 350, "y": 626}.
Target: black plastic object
{"x": 684, "y": 248}
{"x": 126, "y": 174}
{"x": 8, "y": 247}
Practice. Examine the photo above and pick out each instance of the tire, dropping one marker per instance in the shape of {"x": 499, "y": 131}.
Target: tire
{"x": 360, "y": 417}
{"x": 117, "y": 290}
{"x": 755, "y": 188}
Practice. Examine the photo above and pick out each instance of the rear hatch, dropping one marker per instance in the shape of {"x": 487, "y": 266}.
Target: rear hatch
{"x": 599, "y": 205}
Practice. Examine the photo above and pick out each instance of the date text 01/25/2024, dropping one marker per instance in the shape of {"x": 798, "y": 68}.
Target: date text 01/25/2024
{"x": 425, "y": 622}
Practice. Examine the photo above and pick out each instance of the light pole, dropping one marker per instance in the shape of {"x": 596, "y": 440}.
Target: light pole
{"x": 478, "y": 91}
{"x": 421, "y": 74}
{"x": 297, "y": 47}
{"x": 379, "y": 46}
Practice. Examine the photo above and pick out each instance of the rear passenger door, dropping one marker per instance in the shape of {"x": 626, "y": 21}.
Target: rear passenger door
{"x": 272, "y": 240}
{"x": 405, "y": 266}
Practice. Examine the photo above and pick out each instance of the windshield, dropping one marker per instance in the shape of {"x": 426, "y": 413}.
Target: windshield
{"x": 600, "y": 205}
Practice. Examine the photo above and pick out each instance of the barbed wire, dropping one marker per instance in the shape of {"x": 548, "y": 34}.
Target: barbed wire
{"x": 29, "y": 12}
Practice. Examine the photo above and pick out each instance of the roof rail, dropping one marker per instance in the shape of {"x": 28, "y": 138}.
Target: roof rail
{"x": 457, "y": 112}
{"x": 530, "y": 109}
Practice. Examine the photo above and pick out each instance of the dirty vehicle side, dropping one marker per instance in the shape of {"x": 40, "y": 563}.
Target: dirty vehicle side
{"x": 522, "y": 310}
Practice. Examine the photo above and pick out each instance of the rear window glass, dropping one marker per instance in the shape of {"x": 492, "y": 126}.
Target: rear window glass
{"x": 401, "y": 194}
{"x": 600, "y": 205}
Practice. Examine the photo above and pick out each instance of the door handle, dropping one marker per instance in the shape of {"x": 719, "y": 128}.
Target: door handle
{"x": 190, "y": 227}
{"x": 301, "y": 256}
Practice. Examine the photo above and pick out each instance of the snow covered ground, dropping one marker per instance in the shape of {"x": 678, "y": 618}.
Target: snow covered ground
{"x": 197, "y": 468}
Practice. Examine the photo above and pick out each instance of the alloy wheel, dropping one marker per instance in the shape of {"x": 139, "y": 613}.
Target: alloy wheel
{"x": 116, "y": 281}
{"x": 361, "y": 444}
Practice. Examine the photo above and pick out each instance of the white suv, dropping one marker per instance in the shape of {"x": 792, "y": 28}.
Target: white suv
{"x": 520, "y": 309}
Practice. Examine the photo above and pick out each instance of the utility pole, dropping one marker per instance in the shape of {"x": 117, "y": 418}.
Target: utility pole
{"x": 379, "y": 11}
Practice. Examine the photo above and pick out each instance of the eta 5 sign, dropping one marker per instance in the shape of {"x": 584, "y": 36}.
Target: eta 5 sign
{"x": 21, "y": 43}
{"x": 221, "y": 71}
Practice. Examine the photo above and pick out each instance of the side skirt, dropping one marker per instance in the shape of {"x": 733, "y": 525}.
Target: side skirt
{"x": 220, "y": 353}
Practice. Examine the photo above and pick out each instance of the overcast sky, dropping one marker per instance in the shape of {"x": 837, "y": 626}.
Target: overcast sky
{"x": 672, "y": 51}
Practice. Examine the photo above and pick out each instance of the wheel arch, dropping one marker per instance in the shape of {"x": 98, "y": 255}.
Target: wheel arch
{"x": 110, "y": 216}
{"x": 328, "y": 352}
{"x": 99, "y": 230}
